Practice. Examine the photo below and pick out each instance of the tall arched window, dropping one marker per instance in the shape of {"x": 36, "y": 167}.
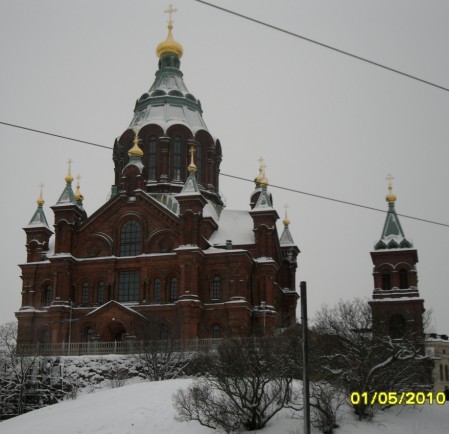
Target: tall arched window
{"x": 386, "y": 279}
{"x": 130, "y": 239}
{"x": 47, "y": 296}
{"x": 199, "y": 162}
{"x": 85, "y": 293}
{"x": 100, "y": 292}
{"x": 152, "y": 158}
{"x": 173, "y": 289}
{"x": 403, "y": 278}
{"x": 157, "y": 290}
{"x": 216, "y": 289}
{"x": 177, "y": 159}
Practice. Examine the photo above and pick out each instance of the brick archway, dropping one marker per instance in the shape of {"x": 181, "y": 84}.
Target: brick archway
{"x": 113, "y": 331}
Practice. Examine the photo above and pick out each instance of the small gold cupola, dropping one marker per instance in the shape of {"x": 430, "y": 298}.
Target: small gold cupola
{"x": 169, "y": 46}
{"x": 135, "y": 151}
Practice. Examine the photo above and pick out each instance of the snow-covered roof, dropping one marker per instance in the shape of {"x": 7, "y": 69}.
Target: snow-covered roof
{"x": 234, "y": 225}
{"x": 165, "y": 115}
{"x": 38, "y": 219}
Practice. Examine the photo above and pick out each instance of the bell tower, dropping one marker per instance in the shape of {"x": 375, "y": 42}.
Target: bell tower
{"x": 396, "y": 305}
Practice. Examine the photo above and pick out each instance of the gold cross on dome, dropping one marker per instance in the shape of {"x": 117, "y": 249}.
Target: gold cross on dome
{"x": 171, "y": 10}
{"x": 78, "y": 179}
{"x": 69, "y": 177}
{"x": 389, "y": 180}
{"x": 40, "y": 199}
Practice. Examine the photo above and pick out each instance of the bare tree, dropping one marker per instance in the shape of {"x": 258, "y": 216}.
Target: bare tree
{"x": 16, "y": 371}
{"x": 162, "y": 359}
{"x": 326, "y": 401}
{"x": 248, "y": 382}
{"x": 349, "y": 356}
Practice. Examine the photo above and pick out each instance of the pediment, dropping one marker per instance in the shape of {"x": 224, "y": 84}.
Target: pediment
{"x": 114, "y": 309}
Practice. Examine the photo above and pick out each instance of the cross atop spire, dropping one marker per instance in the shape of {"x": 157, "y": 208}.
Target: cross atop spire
{"x": 391, "y": 198}
{"x": 192, "y": 166}
{"x": 286, "y": 220}
{"x": 40, "y": 201}
{"x": 171, "y": 10}
{"x": 78, "y": 196}
{"x": 69, "y": 177}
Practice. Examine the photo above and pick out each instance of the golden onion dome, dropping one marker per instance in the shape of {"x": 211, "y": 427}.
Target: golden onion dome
{"x": 169, "y": 46}
{"x": 390, "y": 198}
{"x": 135, "y": 151}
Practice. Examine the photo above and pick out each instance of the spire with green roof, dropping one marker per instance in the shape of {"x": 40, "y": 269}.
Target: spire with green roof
{"x": 67, "y": 196}
{"x": 39, "y": 218}
{"x": 392, "y": 234}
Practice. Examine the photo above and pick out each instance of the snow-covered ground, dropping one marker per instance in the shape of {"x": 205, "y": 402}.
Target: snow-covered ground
{"x": 146, "y": 408}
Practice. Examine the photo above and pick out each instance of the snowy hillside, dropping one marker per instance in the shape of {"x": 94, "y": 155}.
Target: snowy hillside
{"x": 146, "y": 408}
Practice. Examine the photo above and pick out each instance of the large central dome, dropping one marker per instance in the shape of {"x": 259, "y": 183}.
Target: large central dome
{"x": 168, "y": 120}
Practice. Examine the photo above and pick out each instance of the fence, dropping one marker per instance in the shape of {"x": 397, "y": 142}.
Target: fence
{"x": 95, "y": 348}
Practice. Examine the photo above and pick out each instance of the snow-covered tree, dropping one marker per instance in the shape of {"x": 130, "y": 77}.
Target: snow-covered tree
{"x": 348, "y": 355}
{"x": 248, "y": 381}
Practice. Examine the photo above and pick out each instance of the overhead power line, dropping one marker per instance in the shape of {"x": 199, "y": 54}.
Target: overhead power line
{"x": 236, "y": 177}
{"x": 55, "y": 135}
{"x": 346, "y": 53}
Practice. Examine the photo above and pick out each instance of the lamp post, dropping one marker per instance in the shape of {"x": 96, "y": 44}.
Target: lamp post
{"x": 305, "y": 355}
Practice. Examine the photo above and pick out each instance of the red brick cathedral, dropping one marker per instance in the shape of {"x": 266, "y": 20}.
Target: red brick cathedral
{"x": 162, "y": 257}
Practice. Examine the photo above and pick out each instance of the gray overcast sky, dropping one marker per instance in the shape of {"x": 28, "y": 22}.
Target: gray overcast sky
{"x": 324, "y": 123}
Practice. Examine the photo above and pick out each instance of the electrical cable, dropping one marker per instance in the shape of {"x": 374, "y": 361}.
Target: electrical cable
{"x": 240, "y": 178}
{"x": 354, "y": 56}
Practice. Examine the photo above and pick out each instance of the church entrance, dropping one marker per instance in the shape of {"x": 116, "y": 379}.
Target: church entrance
{"x": 114, "y": 331}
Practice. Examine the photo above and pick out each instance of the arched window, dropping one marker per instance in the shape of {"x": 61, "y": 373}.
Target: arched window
{"x": 397, "y": 326}
{"x": 85, "y": 293}
{"x": 47, "y": 296}
{"x": 216, "y": 331}
{"x": 130, "y": 239}
{"x": 216, "y": 289}
{"x": 386, "y": 280}
{"x": 177, "y": 159}
{"x": 403, "y": 278}
{"x": 199, "y": 162}
{"x": 157, "y": 290}
{"x": 152, "y": 158}
{"x": 100, "y": 292}
{"x": 173, "y": 289}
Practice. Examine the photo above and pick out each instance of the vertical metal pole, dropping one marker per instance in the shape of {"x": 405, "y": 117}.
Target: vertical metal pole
{"x": 70, "y": 330}
{"x": 305, "y": 355}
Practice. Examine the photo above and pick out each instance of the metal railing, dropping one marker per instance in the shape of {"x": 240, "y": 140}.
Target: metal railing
{"x": 95, "y": 348}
